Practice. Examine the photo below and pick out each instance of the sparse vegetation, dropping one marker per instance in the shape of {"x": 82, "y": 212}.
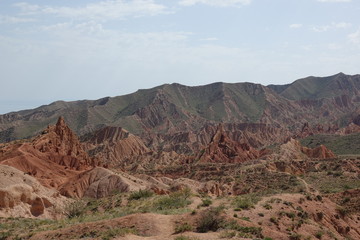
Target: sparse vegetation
{"x": 206, "y": 202}
{"x": 227, "y": 234}
{"x": 245, "y": 202}
{"x": 319, "y": 234}
{"x": 342, "y": 211}
{"x": 75, "y": 209}
{"x": 174, "y": 200}
{"x": 185, "y": 238}
{"x": 295, "y": 236}
{"x": 140, "y": 194}
{"x": 184, "y": 227}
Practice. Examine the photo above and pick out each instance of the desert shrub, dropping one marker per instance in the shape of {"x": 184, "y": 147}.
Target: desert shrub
{"x": 290, "y": 215}
{"x": 318, "y": 197}
{"x": 320, "y": 215}
{"x": 75, "y": 209}
{"x": 183, "y": 228}
{"x": 261, "y": 214}
{"x": 319, "y": 234}
{"x": 140, "y": 194}
{"x": 210, "y": 220}
{"x": 206, "y": 202}
{"x": 267, "y": 206}
{"x": 274, "y": 220}
{"x": 295, "y": 236}
{"x": 342, "y": 211}
{"x": 4, "y": 235}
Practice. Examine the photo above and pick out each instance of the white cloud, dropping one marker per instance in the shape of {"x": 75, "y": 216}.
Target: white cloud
{"x": 11, "y": 20}
{"x": 332, "y": 26}
{"x": 295, "y": 25}
{"x": 324, "y": 28}
{"x": 342, "y": 25}
{"x": 334, "y": 46}
{"x": 209, "y": 39}
{"x": 104, "y": 10}
{"x": 355, "y": 37}
{"x": 334, "y": 0}
{"x": 216, "y": 3}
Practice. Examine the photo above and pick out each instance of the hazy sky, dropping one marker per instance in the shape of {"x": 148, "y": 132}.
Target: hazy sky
{"x": 71, "y": 50}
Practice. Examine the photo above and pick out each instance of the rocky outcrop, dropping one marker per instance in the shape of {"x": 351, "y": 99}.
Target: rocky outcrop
{"x": 23, "y": 196}
{"x": 320, "y": 152}
{"x": 52, "y": 157}
{"x": 294, "y": 150}
{"x": 62, "y": 146}
{"x": 222, "y": 149}
{"x": 100, "y": 182}
{"x": 112, "y": 145}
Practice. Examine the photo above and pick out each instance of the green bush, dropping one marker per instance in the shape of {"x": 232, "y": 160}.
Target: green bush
{"x": 4, "y": 235}
{"x": 206, "y": 202}
{"x": 267, "y": 206}
{"x": 319, "y": 234}
{"x": 140, "y": 194}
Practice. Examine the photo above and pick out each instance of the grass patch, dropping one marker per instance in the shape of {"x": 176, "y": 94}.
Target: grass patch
{"x": 245, "y": 202}
{"x": 140, "y": 194}
{"x": 174, "y": 200}
{"x": 184, "y": 227}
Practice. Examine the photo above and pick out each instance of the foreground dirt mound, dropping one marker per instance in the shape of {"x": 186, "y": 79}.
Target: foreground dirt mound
{"x": 53, "y": 157}
{"x": 23, "y": 196}
{"x": 281, "y": 217}
{"x": 349, "y": 200}
{"x": 112, "y": 145}
{"x": 100, "y": 182}
{"x": 222, "y": 149}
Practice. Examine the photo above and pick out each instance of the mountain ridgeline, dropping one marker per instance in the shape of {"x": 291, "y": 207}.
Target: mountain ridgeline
{"x": 174, "y": 111}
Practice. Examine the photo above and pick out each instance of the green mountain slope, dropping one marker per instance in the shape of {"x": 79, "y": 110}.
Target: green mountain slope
{"x": 175, "y": 108}
{"x": 317, "y": 87}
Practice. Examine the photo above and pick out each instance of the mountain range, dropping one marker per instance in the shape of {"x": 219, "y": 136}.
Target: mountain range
{"x": 176, "y": 162}
{"x": 174, "y": 109}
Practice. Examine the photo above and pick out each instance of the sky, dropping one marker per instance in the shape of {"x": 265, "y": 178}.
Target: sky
{"x": 72, "y": 50}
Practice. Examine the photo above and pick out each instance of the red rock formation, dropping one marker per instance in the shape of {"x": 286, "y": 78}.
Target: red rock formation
{"x": 294, "y": 150}
{"x": 99, "y": 182}
{"x": 52, "y": 157}
{"x": 320, "y": 152}
{"x": 222, "y": 149}
{"x": 112, "y": 145}
{"x": 308, "y": 130}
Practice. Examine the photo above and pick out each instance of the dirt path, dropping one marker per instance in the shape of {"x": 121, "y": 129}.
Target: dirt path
{"x": 308, "y": 187}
